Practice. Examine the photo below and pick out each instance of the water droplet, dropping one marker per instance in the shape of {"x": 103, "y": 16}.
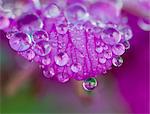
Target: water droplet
{"x": 29, "y": 23}
{"x": 40, "y": 35}
{"x": 52, "y": 11}
{"x": 118, "y": 49}
{"x": 62, "y": 28}
{"x": 126, "y": 44}
{"x": 48, "y": 72}
{"x": 89, "y": 84}
{"x": 99, "y": 49}
{"x": 46, "y": 60}
{"x": 42, "y": 48}
{"x": 4, "y": 22}
{"x": 111, "y": 36}
{"x": 76, "y": 67}
{"x": 117, "y": 61}
{"x": 76, "y": 13}
{"x": 29, "y": 54}
{"x": 105, "y": 47}
{"x": 108, "y": 54}
{"x": 61, "y": 59}
{"x": 20, "y": 41}
{"x": 63, "y": 77}
{"x": 127, "y": 32}
{"x": 102, "y": 60}
{"x": 10, "y": 34}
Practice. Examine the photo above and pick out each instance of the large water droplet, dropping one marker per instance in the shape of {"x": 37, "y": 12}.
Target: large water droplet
{"x": 20, "y": 41}
{"x": 29, "y": 23}
{"x": 76, "y": 67}
{"x": 111, "y": 36}
{"x": 117, "y": 61}
{"x": 76, "y": 13}
{"x": 40, "y": 35}
{"x": 61, "y": 59}
{"x": 52, "y": 11}
{"x": 118, "y": 49}
{"x": 42, "y": 48}
{"x": 63, "y": 77}
{"x": 89, "y": 84}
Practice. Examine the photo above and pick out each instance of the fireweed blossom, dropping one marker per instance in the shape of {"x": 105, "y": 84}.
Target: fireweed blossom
{"x": 78, "y": 40}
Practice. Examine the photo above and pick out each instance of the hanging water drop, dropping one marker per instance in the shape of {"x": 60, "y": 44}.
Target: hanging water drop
{"x": 89, "y": 84}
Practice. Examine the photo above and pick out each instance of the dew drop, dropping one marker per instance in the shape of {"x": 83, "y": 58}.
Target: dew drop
{"x": 118, "y": 49}
{"x": 76, "y": 67}
{"x": 20, "y": 41}
{"x": 46, "y": 60}
{"x": 118, "y": 61}
{"x": 61, "y": 59}
{"x": 62, "y": 28}
{"x": 111, "y": 36}
{"x": 99, "y": 49}
{"x": 126, "y": 44}
{"x": 127, "y": 33}
{"x": 49, "y": 72}
{"x": 42, "y": 48}
{"x": 108, "y": 54}
{"x": 76, "y": 13}
{"x": 10, "y": 34}
{"x": 62, "y": 77}
{"x": 102, "y": 60}
{"x": 89, "y": 84}
{"x": 40, "y": 35}
{"x": 52, "y": 11}
{"x": 29, "y": 54}
{"x": 29, "y": 23}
